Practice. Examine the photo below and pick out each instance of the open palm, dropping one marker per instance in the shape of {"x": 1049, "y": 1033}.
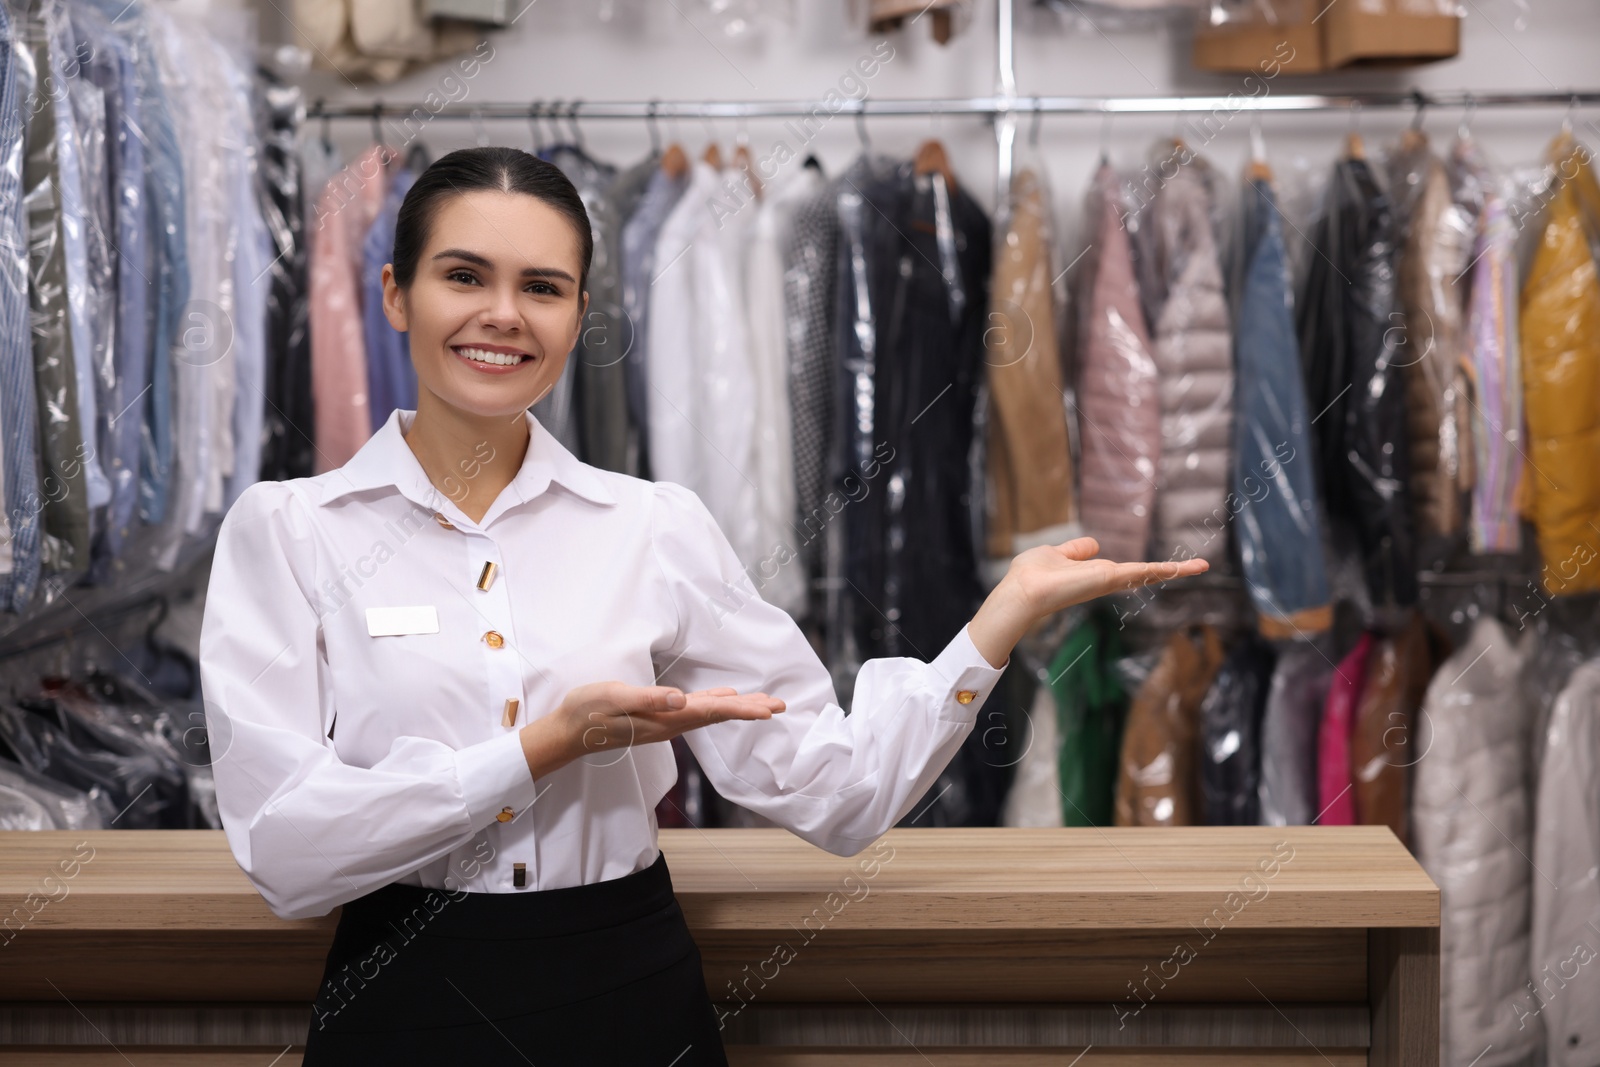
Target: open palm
{"x": 1052, "y": 577}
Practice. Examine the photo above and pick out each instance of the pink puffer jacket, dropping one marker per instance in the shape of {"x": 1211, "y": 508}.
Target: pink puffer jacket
{"x": 1337, "y": 795}
{"x": 1119, "y": 402}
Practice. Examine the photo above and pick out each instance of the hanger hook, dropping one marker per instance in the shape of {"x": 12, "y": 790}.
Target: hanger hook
{"x": 653, "y": 126}
{"x": 1355, "y": 116}
{"x": 572, "y": 120}
{"x": 320, "y": 108}
{"x": 1466, "y": 117}
{"x": 480, "y": 132}
{"x": 1033, "y": 130}
{"x": 533, "y": 126}
{"x": 1566, "y": 118}
{"x": 861, "y": 126}
{"x": 711, "y": 131}
{"x": 741, "y": 136}
{"x": 1105, "y": 136}
{"x": 377, "y": 128}
{"x": 1258, "y": 143}
{"x": 1420, "y": 102}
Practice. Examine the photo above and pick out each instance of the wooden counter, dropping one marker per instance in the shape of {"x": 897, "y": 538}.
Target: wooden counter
{"x": 1216, "y": 945}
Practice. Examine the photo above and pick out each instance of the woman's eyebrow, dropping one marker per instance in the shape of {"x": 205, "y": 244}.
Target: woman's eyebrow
{"x": 527, "y": 272}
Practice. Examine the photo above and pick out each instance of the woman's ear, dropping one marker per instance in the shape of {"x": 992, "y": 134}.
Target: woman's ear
{"x": 583, "y": 312}
{"x": 394, "y": 305}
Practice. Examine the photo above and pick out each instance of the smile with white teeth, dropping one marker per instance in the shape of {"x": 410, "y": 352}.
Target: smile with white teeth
{"x": 483, "y": 355}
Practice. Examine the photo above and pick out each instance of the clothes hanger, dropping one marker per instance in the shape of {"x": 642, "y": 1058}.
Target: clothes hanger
{"x": 713, "y": 154}
{"x": 1412, "y": 138}
{"x": 743, "y": 160}
{"x": 1258, "y": 170}
{"x": 1033, "y": 129}
{"x": 932, "y": 157}
{"x": 534, "y": 127}
{"x": 1353, "y": 148}
{"x": 675, "y": 161}
{"x": 653, "y": 129}
{"x": 1105, "y": 140}
{"x": 321, "y": 109}
{"x": 386, "y": 155}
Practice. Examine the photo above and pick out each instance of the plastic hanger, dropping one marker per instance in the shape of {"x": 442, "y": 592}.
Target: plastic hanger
{"x": 1258, "y": 170}
{"x": 652, "y": 127}
{"x": 1353, "y": 148}
{"x": 932, "y": 157}
{"x": 676, "y": 161}
{"x": 744, "y": 161}
{"x": 1412, "y": 138}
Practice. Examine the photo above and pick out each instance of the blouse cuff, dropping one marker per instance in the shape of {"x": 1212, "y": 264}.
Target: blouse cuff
{"x": 494, "y": 775}
{"x": 965, "y": 678}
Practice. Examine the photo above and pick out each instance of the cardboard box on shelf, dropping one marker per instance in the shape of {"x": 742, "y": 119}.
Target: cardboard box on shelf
{"x": 1363, "y": 33}
{"x": 1264, "y": 39}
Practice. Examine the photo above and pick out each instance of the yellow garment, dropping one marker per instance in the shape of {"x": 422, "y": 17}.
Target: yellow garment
{"x": 1030, "y": 468}
{"x": 1561, "y": 379}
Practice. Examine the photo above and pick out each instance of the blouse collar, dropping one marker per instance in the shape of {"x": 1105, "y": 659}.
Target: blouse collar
{"x": 385, "y": 460}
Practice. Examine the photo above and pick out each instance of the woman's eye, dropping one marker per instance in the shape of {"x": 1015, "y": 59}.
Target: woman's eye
{"x": 465, "y": 277}
{"x": 544, "y": 288}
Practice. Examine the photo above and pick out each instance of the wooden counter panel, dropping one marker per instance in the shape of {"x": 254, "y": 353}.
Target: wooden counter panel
{"x": 744, "y": 1057}
{"x": 1056, "y": 965}
{"x": 173, "y": 965}
{"x": 992, "y": 879}
{"x": 1050, "y": 1057}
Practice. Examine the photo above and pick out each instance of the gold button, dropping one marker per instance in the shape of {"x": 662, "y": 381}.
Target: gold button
{"x": 966, "y": 696}
{"x": 510, "y": 716}
{"x": 506, "y": 815}
{"x": 494, "y": 639}
{"x": 486, "y": 576}
{"x": 442, "y": 521}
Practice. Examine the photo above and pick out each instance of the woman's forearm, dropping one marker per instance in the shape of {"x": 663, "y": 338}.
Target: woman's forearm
{"x": 1001, "y": 621}
{"x": 545, "y": 745}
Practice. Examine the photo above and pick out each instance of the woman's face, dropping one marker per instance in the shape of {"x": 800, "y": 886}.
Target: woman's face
{"x": 494, "y": 307}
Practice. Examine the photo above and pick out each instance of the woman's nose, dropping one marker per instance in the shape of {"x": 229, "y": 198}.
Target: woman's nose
{"x": 499, "y": 309}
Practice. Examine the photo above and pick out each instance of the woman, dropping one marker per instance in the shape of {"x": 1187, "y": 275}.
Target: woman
{"x": 439, "y": 677}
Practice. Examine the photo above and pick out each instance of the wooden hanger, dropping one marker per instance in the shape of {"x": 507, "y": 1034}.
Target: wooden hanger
{"x": 713, "y": 156}
{"x": 931, "y": 157}
{"x": 1412, "y": 139}
{"x": 745, "y": 162}
{"x": 675, "y": 161}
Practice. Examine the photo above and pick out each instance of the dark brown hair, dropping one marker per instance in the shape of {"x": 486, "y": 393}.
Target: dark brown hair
{"x": 506, "y": 170}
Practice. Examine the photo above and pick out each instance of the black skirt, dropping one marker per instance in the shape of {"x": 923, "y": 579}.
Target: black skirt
{"x": 599, "y": 973}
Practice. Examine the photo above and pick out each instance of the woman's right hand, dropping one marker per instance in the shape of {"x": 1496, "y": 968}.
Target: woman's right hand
{"x": 610, "y": 716}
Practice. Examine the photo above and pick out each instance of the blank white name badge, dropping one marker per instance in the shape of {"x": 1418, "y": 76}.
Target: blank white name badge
{"x": 391, "y": 622}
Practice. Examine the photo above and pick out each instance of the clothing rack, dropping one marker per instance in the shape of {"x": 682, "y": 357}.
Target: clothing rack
{"x": 981, "y": 106}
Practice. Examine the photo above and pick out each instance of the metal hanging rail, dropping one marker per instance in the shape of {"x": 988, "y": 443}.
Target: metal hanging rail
{"x": 983, "y": 106}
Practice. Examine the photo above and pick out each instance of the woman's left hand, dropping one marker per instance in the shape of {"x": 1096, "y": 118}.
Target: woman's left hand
{"x": 1050, "y": 578}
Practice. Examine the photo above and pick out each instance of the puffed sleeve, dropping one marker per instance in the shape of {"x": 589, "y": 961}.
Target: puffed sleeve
{"x": 838, "y": 780}
{"x": 309, "y": 831}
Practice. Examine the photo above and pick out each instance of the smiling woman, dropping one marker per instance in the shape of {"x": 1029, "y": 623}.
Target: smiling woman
{"x": 452, "y": 667}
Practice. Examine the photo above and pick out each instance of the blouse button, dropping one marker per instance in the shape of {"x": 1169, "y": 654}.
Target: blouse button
{"x": 486, "y": 576}
{"x": 966, "y": 696}
{"x": 494, "y": 639}
{"x": 442, "y": 521}
{"x": 506, "y": 815}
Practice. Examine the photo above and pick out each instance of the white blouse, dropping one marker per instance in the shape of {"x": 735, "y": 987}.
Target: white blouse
{"x": 369, "y": 654}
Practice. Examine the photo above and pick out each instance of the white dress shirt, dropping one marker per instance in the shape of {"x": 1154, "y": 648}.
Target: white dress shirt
{"x": 599, "y": 576}
{"x": 702, "y": 400}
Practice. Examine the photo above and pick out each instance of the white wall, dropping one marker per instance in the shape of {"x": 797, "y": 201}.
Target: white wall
{"x": 561, "y": 49}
